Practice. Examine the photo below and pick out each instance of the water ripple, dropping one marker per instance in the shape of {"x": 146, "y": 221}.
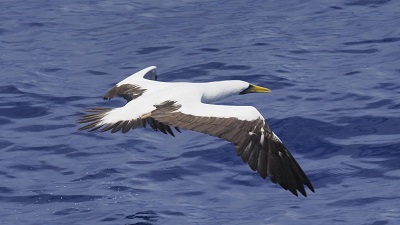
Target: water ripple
{"x": 48, "y": 198}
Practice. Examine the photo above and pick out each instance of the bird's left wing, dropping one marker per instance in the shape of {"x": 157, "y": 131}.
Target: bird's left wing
{"x": 130, "y": 88}
{"x": 127, "y": 91}
{"x": 245, "y": 127}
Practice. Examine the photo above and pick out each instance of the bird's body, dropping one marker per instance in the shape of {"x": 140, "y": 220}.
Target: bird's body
{"x": 187, "y": 106}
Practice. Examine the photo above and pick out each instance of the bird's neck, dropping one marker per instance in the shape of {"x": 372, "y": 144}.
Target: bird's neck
{"x": 215, "y": 91}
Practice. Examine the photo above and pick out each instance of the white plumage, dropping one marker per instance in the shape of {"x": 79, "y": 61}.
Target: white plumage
{"x": 192, "y": 97}
{"x": 163, "y": 105}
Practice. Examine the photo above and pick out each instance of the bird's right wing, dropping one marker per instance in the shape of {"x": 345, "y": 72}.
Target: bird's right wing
{"x": 246, "y": 129}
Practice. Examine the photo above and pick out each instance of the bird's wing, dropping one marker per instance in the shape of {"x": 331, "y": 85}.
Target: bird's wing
{"x": 127, "y": 91}
{"x": 245, "y": 127}
{"x": 120, "y": 119}
{"x": 131, "y": 88}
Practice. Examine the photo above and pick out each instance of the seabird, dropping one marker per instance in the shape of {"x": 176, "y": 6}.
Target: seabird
{"x": 183, "y": 105}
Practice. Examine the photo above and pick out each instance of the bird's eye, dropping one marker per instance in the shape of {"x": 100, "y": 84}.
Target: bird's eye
{"x": 245, "y": 91}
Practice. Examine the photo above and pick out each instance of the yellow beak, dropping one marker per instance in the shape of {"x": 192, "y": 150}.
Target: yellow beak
{"x": 258, "y": 89}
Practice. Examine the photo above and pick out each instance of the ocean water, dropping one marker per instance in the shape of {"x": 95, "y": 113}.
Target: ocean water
{"x": 334, "y": 71}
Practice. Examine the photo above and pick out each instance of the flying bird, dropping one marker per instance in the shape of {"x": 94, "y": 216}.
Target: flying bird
{"x": 168, "y": 106}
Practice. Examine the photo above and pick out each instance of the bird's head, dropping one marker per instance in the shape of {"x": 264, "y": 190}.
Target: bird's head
{"x": 214, "y": 91}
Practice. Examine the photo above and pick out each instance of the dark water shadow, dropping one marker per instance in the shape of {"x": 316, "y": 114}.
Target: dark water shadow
{"x": 99, "y": 175}
{"x": 20, "y": 110}
{"x": 373, "y": 41}
{"x": 149, "y": 50}
{"x": 359, "y": 201}
{"x": 142, "y": 218}
{"x": 371, "y": 3}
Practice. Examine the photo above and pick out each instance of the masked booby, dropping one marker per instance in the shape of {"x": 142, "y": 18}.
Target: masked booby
{"x": 182, "y": 105}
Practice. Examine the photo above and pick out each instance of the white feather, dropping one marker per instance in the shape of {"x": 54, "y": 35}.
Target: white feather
{"x": 191, "y": 96}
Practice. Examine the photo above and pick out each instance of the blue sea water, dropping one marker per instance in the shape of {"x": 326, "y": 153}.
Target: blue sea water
{"x": 334, "y": 71}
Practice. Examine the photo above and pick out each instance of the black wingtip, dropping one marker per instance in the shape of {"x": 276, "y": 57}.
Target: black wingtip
{"x": 294, "y": 192}
{"x": 92, "y": 117}
{"x": 311, "y": 187}
{"x": 303, "y": 192}
{"x": 168, "y": 129}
